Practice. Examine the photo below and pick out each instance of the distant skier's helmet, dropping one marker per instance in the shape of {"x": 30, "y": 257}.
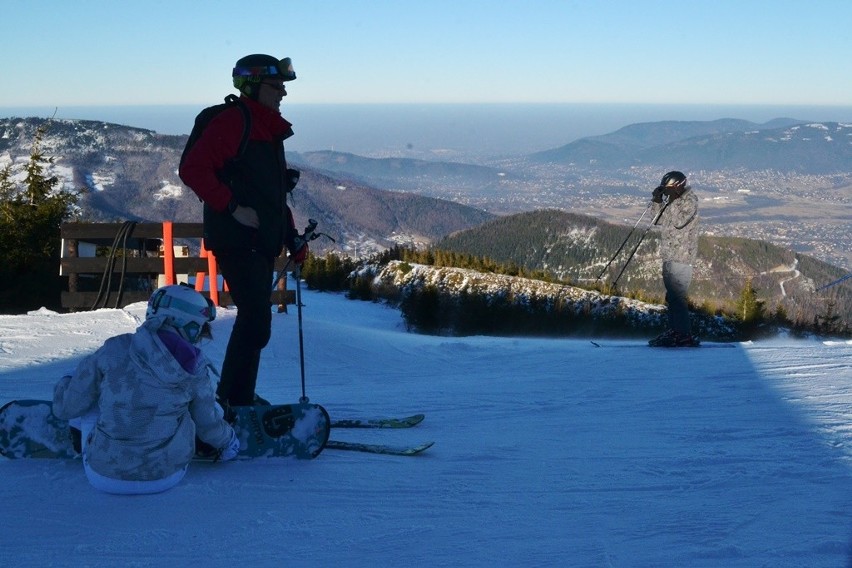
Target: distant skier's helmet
{"x": 184, "y": 310}
{"x": 252, "y": 69}
{"x": 673, "y": 180}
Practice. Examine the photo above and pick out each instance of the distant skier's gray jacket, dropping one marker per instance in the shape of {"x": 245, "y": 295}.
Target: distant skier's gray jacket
{"x": 150, "y": 407}
{"x": 679, "y": 223}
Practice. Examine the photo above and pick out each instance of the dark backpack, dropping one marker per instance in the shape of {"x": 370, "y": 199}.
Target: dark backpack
{"x": 205, "y": 116}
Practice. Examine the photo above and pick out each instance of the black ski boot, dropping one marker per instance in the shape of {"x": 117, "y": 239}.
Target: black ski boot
{"x": 672, "y": 338}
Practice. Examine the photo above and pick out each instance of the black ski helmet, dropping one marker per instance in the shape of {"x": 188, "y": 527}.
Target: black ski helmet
{"x": 250, "y": 70}
{"x": 673, "y": 180}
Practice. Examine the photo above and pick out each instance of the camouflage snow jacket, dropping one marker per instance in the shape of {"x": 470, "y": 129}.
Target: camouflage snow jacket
{"x": 150, "y": 408}
{"x": 679, "y": 223}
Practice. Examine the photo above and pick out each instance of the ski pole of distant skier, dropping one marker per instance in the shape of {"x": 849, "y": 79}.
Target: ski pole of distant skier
{"x": 838, "y": 281}
{"x": 625, "y": 240}
{"x": 641, "y": 238}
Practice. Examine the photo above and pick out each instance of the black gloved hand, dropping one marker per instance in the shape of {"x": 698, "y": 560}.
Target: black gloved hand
{"x": 292, "y": 178}
{"x": 657, "y": 195}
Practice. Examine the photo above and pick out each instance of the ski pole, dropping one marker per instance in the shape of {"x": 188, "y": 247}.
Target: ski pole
{"x": 308, "y": 235}
{"x": 641, "y": 238}
{"x": 298, "y": 276}
{"x": 281, "y": 273}
{"x": 625, "y": 240}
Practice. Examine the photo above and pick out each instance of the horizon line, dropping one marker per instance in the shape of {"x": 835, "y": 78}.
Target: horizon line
{"x": 449, "y": 103}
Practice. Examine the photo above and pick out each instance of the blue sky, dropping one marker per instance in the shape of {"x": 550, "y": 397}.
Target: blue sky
{"x": 87, "y": 52}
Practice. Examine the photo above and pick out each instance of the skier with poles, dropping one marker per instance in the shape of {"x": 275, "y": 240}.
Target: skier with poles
{"x": 236, "y": 165}
{"x": 678, "y": 217}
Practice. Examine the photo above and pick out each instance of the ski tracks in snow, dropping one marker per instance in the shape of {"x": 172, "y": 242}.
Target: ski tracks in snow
{"x": 815, "y": 381}
{"x": 547, "y": 453}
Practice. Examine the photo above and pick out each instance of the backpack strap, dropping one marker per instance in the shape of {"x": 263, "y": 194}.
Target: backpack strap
{"x": 233, "y": 99}
{"x": 208, "y": 114}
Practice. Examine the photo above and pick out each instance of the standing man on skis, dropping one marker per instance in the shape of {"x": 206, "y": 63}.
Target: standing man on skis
{"x": 677, "y": 207}
{"x": 244, "y": 182}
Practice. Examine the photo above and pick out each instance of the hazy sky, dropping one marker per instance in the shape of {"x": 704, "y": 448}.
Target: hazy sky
{"x": 87, "y": 52}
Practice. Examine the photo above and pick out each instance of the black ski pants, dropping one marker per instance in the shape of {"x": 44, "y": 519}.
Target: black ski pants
{"x": 677, "y": 276}
{"x": 249, "y": 278}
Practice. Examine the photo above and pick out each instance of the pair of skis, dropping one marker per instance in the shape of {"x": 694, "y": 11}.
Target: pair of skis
{"x": 391, "y": 423}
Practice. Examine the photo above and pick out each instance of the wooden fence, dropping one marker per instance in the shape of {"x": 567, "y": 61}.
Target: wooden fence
{"x": 132, "y": 258}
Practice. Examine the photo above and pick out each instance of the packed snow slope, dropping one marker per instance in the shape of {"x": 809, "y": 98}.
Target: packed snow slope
{"x": 547, "y": 453}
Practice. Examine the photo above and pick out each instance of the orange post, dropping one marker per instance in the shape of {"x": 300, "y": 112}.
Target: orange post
{"x": 168, "y": 253}
{"x": 213, "y": 275}
{"x": 199, "y": 276}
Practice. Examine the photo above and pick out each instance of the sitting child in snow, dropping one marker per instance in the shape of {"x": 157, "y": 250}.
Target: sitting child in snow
{"x": 143, "y": 397}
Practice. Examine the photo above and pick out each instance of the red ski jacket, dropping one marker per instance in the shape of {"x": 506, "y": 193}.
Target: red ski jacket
{"x": 257, "y": 179}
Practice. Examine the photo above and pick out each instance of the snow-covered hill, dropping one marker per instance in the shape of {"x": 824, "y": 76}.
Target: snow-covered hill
{"x": 547, "y": 453}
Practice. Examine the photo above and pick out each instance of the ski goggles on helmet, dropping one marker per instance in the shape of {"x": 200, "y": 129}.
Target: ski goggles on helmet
{"x": 162, "y": 300}
{"x": 283, "y": 70}
{"x": 188, "y": 318}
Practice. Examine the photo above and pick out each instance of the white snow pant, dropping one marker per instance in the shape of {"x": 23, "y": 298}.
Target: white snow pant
{"x": 86, "y": 424}
{"x": 677, "y": 277}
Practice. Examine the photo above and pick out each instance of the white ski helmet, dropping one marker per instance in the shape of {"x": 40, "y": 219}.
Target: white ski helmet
{"x": 184, "y": 310}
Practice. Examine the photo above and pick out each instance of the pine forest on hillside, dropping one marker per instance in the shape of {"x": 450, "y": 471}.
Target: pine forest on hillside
{"x": 575, "y": 248}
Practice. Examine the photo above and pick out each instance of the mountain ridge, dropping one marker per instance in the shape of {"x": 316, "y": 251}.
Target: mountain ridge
{"x": 780, "y": 144}
{"x": 131, "y": 173}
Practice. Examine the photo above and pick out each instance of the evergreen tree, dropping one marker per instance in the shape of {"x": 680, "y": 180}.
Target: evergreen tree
{"x": 750, "y": 310}
{"x": 422, "y": 310}
{"x": 780, "y": 316}
{"x": 30, "y": 217}
{"x": 828, "y": 322}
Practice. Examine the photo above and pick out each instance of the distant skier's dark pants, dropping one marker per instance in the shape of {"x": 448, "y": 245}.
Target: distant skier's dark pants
{"x": 677, "y": 277}
{"x": 249, "y": 278}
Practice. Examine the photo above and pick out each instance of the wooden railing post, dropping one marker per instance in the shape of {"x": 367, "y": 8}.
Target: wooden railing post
{"x": 73, "y": 252}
